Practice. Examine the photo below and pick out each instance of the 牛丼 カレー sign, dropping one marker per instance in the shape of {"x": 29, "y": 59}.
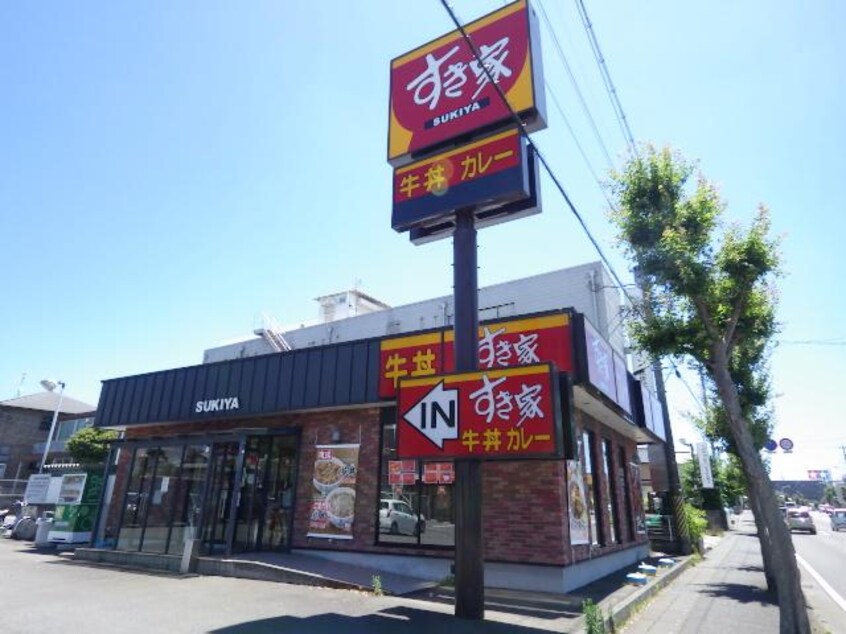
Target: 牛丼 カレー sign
{"x": 441, "y": 91}
{"x": 506, "y": 413}
{"x": 486, "y": 173}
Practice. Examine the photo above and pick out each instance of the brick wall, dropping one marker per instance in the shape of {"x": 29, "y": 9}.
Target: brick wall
{"x": 525, "y": 512}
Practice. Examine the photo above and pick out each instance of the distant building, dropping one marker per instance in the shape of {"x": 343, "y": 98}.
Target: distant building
{"x": 24, "y": 426}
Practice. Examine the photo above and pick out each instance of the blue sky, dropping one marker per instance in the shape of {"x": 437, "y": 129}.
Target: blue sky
{"x": 168, "y": 170}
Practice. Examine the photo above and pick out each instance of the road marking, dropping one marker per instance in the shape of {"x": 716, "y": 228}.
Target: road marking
{"x": 840, "y": 601}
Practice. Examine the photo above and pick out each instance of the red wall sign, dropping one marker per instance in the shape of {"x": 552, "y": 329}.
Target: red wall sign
{"x": 440, "y": 91}
{"x": 503, "y": 343}
{"x": 507, "y": 413}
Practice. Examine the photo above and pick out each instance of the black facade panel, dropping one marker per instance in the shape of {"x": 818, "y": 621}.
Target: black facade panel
{"x": 311, "y": 398}
{"x": 224, "y": 373}
{"x": 168, "y": 410}
{"x": 286, "y": 376}
{"x": 156, "y": 404}
{"x": 358, "y": 372}
{"x": 124, "y": 401}
{"x": 343, "y": 373}
{"x": 106, "y": 404}
{"x": 211, "y": 388}
{"x": 244, "y": 387}
{"x": 271, "y": 385}
{"x": 189, "y": 389}
{"x": 180, "y": 388}
{"x": 371, "y": 393}
{"x": 298, "y": 381}
{"x": 259, "y": 380}
{"x": 326, "y": 384}
{"x": 146, "y": 397}
{"x": 134, "y": 400}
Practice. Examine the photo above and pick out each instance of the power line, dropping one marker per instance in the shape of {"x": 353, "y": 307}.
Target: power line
{"x": 521, "y": 127}
{"x": 575, "y": 84}
{"x": 606, "y": 78}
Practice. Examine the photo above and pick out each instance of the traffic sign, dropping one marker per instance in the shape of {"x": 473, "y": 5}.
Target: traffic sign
{"x": 786, "y": 444}
{"x": 504, "y": 413}
{"x": 771, "y": 445}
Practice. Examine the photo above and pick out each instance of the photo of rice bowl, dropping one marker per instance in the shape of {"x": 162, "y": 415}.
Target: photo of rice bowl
{"x": 340, "y": 507}
{"x": 328, "y": 474}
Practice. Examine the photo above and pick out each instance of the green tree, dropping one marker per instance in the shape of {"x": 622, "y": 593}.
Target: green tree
{"x": 830, "y": 495}
{"x": 708, "y": 297}
{"x": 90, "y": 445}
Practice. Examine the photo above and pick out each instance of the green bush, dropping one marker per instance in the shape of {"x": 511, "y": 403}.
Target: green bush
{"x": 696, "y": 525}
{"x": 594, "y": 622}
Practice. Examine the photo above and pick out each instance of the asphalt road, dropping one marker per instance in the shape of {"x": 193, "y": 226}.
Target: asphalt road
{"x": 49, "y": 593}
{"x": 822, "y": 562}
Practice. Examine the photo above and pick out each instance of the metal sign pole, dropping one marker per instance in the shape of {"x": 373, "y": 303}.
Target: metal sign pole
{"x": 469, "y": 551}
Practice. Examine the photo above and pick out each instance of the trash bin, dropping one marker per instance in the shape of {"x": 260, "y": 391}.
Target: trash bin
{"x": 42, "y": 531}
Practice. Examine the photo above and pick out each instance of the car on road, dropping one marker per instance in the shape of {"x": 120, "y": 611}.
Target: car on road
{"x": 801, "y": 520}
{"x": 838, "y": 519}
{"x": 397, "y": 517}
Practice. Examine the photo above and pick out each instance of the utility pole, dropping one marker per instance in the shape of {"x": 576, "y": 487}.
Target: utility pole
{"x": 673, "y": 482}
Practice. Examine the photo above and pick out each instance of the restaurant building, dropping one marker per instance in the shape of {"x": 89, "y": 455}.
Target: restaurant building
{"x": 287, "y": 442}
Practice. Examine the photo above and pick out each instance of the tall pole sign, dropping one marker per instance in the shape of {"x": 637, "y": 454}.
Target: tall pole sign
{"x": 460, "y": 162}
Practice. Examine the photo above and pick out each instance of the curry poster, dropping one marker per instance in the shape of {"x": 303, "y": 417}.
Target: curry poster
{"x": 577, "y": 504}
{"x": 333, "y": 492}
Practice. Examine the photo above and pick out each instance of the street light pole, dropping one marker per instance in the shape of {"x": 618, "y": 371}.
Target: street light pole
{"x": 49, "y": 385}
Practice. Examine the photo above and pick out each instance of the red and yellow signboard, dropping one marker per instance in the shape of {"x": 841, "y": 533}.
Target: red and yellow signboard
{"x": 487, "y": 173}
{"x": 506, "y": 413}
{"x": 508, "y": 343}
{"x": 440, "y": 91}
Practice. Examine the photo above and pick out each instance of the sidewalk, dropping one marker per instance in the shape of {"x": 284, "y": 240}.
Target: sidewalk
{"x": 726, "y": 592}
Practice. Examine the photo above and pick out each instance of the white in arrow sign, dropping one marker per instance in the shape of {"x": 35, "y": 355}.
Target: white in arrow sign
{"x": 436, "y": 415}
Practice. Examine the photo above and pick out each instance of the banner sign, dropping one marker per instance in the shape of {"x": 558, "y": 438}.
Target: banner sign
{"x": 438, "y": 473}
{"x": 333, "y": 493}
{"x": 577, "y": 504}
{"x": 487, "y": 173}
{"x": 701, "y": 449}
{"x": 502, "y": 344}
{"x": 606, "y": 369}
{"x": 440, "y": 91}
{"x": 819, "y": 474}
{"x": 36, "y": 488}
{"x": 402, "y": 472}
{"x": 507, "y": 413}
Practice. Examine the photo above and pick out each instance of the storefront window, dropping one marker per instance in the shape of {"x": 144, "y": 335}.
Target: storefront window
{"x": 188, "y": 497}
{"x": 161, "y": 500}
{"x": 622, "y": 476}
{"x": 135, "y": 498}
{"x": 594, "y": 507}
{"x": 610, "y": 491}
{"x": 416, "y": 504}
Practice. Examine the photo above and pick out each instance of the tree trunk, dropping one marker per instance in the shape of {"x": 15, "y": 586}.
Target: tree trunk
{"x": 764, "y": 539}
{"x": 793, "y": 615}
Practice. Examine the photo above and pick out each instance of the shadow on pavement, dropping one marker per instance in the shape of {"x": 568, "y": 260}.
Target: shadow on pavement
{"x": 739, "y": 592}
{"x": 534, "y": 604}
{"x": 399, "y": 619}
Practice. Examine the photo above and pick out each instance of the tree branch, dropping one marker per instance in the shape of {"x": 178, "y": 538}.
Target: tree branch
{"x": 731, "y": 328}
{"x": 705, "y": 316}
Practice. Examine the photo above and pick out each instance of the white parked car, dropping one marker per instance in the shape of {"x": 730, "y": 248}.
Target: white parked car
{"x": 397, "y": 517}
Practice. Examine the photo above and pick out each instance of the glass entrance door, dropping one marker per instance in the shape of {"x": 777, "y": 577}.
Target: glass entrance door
{"x": 265, "y": 508}
{"x": 222, "y": 467}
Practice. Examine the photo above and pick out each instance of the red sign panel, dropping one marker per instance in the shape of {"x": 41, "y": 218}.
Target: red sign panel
{"x": 438, "y": 473}
{"x": 507, "y": 413}
{"x": 542, "y": 339}
{"x": 440, "y": 91}
{"x": 402, "y": 472}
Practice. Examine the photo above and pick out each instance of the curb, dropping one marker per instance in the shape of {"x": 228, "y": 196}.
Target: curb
{"x": 621, "y": 612}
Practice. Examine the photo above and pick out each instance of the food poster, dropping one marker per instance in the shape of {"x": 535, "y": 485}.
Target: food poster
{"x": 333, "y": 492}
{"x": 637, "y": 500}
{"x": 577, "y": 504}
